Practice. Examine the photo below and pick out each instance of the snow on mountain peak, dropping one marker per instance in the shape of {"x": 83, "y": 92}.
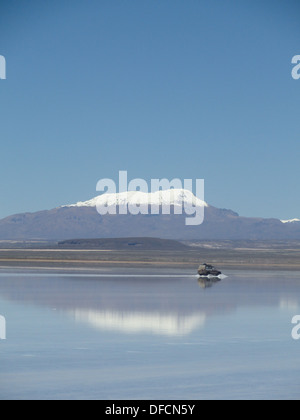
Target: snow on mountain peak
{"x": 173, "y": 197}
{"x": 290, "y": 221}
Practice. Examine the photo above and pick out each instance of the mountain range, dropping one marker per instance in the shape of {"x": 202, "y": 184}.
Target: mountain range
{"x": 82, "y": 220}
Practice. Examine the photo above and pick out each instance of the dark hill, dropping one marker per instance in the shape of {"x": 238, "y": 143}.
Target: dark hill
{"x": 124, "y": 244}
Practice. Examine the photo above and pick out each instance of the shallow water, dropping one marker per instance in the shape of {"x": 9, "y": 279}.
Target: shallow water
{"x": 149, "y": 334}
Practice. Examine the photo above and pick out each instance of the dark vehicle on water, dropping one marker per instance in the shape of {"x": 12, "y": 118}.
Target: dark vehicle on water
{"x": 207, "y": 270}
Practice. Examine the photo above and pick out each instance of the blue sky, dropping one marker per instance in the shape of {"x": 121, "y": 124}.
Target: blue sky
{"x": 169, "y": 88}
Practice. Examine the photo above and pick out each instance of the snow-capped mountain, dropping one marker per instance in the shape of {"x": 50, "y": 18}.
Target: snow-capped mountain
{"x": 173, "y": 197}
{"x": 290, "y": 221}
{"x": 82, "y": 220}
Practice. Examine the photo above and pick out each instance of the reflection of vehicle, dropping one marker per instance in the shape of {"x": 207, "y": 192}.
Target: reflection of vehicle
{"x": 206, "y": 270}
{"x": 206, "y": 282}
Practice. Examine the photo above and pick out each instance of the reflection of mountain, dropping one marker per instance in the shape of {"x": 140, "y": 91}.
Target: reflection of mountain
{"x": 290, "y": 304}
{"x": 158, "y": 305}
{"x": 141, "y": 322}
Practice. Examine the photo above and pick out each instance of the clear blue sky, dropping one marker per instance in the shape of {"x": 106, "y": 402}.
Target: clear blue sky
{"x": 161, "y": 88}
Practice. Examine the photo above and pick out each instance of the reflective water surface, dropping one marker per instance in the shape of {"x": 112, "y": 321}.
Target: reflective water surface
{"x": 149, "y": 334}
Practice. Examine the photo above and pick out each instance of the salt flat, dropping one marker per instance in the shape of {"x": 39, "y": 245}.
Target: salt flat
{"x": 149, "y": 333}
